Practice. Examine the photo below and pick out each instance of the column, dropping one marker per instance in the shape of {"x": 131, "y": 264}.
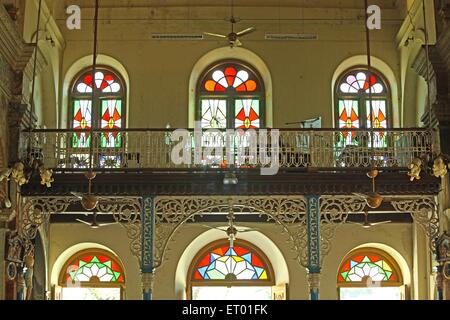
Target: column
{"x": 313, "y": 236}
{"x": 2, "y": 263}
{"x": 147, "y": 225}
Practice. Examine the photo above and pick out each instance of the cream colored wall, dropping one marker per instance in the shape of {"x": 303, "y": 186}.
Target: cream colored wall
{"x": 301, "y": 71}
{"x": 65, "y": 236}
{"x": 348, "y": 237}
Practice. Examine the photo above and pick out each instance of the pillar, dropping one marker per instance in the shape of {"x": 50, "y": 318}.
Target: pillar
{"x": 147, "y": 267}
{"x": 313, "y": 236}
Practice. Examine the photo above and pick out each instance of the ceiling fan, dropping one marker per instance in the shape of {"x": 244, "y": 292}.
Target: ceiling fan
{"x": 233, "y": 37}
{"x": 231, "y": 230}
{"x": 88, "y": 201}
{"x": 94, "y": 224}
{"x": 366, "y": 224}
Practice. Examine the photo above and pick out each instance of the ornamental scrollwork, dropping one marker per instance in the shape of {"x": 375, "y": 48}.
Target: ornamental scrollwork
{"x": 424, "y": 212}
{"x": 334, "y": 212}
{"x": 36, "y": 211}
{"x": 172, "y": 212}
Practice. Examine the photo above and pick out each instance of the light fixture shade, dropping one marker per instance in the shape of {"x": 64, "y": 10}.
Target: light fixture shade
{"x": 230, "y": 179}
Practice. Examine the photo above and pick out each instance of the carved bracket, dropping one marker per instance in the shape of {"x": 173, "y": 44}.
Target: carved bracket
{"x": 424, "y": 211}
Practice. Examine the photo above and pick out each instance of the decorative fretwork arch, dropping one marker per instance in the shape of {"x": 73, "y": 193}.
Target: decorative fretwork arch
{"x": 231, "y": 95}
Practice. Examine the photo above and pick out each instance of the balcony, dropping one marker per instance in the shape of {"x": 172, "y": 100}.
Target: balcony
{"x": 153, "y": 149}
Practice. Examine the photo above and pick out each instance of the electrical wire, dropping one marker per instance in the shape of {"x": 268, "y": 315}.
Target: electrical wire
{"x": 33, "y": 84}
{"x": 370, "y": 71}
{"x": 94, "y": 67}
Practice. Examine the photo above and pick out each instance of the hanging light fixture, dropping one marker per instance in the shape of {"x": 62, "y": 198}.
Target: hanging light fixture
{"x": 23, "y": 170}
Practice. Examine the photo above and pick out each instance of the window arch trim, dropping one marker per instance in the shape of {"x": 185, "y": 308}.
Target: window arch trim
{"x": 234, "y": 283}
{"x": 93, "y": 284}
{"x": 387, "y": 95}
{"x": 74, "y": 95}
{"x": 231, "y": 95}
{"x": 371, "y": 252}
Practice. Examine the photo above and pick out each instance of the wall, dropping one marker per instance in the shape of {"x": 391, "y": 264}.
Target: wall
{"x": 348, "y": 237}
{"x": 301, "y": 70}
{"x": 65, "y": 236}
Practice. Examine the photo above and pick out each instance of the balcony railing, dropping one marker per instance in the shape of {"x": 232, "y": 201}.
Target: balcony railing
{"x": 155, "y": 148}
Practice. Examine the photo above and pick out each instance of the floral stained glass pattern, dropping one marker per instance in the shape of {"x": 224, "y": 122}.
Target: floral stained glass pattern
{"x": 247, "y": 114}
{"x": 82, "y": 120}
{"x": 94, "y": 268}
{"x": 361, "y": 268}
{"x": 231, "y": 263}
{"x": 378, "y": 120}
{"x": 358, "y": 81}
{"x": 230, "y": 77}
{"x": 104, "y": 81}
{"x": 111, "y": 119}
{"x": 214, "y": 113}
{"x": 348, "y": 118}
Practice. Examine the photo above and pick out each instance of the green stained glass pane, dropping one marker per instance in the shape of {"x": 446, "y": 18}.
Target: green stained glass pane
{"x": 111, "y": 118}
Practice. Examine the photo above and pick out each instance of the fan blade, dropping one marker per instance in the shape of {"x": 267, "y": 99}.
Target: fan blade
{"x": 106, "y": 224}
{"x": 215, "y": 35}
{"x": 236, "y": 43}
{"x": 360, "y": 195}
{"x": 358, "y": 223}
{"x": 217, "y": 228}
{"x": 246, "y": 31}
{"x": 78, "y": 195}
{"x": 380, "y": 223}
{"x": 85, "y": 222}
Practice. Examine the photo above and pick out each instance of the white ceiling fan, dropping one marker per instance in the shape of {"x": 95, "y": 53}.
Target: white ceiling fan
{"x": 233, "y": 37}
{"x": 366, "y": 224}
{"x": 231, "y": 230}
{"x": 94, "y": 223}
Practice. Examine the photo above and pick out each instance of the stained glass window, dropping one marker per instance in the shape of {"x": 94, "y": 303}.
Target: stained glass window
{"x": 106, "y": 112}
{"x": 237, "y": 263}
{"x": 231, "y": 95}
{"x": 367, "y": 266}
{"x": 355, "y": 109}
{"x": 93, "y": 267}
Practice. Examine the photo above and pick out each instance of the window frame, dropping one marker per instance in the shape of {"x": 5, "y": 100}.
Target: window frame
{"x": 99, "y": 96}
{"x": 231, "y": 95}
{"x": 191, "y": 282}
{"x": 363, "y": 97}
{"x": 83, "y": 284}
{"x": 366, "y": 252}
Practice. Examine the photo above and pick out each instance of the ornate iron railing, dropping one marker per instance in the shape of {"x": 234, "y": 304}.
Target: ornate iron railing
{"x": 299, "y": 148}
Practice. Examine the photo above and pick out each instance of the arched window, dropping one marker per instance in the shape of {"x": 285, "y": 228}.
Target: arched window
{"x": 92, "y": 275}
{"x": 222, "y": 272}
{"x": 353, "y": 107}
{"x": 106, "y": 112}
{"x": 231, "y": 95}
{"x": 369, "y": 274}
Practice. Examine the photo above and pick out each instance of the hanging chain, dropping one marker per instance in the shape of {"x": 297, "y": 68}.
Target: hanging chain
{"x": 94, "y": 67}
{"x": 369, "y": 69}
{"x": 427, "y": 53}
{"x": 33, "y": 83}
